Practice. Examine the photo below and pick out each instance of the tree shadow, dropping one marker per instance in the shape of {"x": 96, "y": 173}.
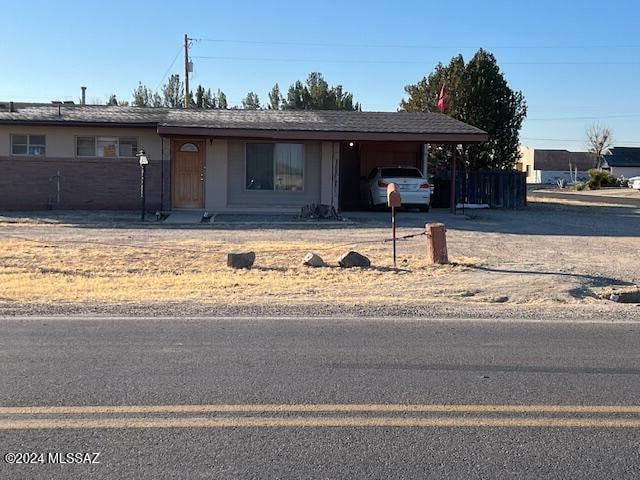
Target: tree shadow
{"x": 583, "y": 291}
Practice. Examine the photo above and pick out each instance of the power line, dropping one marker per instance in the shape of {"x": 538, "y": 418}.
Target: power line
{"x": 170, "y": 67}
{"x": 416, "y": 46}
{"x": 584, "y": 140}
{"x": 622, "y": 115}
{"x": 394, "y": 62}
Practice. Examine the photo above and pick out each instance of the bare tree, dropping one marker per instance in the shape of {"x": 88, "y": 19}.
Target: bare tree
{"x": 599, "y": 142}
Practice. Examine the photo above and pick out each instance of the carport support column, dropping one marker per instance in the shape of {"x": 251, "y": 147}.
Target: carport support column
{"x": 425, "y": 160}
{"x": 335, "y": 167}
{"x": 452, "y": 199}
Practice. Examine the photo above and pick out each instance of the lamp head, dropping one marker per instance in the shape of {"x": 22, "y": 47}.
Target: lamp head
{"x": 142, "y": 158}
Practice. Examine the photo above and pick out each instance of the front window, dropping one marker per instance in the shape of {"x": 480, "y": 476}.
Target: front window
{"x": 106, "y": 147}
{"x": 28, "y": 145}
{"x": 275, "y": 166}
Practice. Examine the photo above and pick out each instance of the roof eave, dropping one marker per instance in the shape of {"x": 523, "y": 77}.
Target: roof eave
{"x": 74, "y": 123}
{"x": 265, "y": 134}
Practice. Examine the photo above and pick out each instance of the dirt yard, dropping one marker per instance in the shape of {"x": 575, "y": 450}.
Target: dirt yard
{"x": 550, "y": 257}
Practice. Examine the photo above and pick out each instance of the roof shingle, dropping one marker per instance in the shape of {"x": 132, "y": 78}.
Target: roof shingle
{"x": 327, "y": 121}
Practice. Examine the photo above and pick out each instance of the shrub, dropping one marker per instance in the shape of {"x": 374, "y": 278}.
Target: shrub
{"x": 561, "y": 182}
{"x": 600, "y": 178}
{"x": 579, "y": 186}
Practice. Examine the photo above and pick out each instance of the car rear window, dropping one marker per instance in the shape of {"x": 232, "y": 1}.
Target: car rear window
{"x": 400, "y": 172}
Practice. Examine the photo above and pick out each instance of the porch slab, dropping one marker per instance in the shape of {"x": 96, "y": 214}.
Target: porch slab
{"x": 185, "y": 217}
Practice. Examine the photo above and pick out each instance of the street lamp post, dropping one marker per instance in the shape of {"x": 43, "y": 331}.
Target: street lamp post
{"x": 144, "y": 161}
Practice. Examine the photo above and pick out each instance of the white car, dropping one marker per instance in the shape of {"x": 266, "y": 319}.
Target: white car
{"x": 634, "y": 182}
{"x": 415, "y": 190}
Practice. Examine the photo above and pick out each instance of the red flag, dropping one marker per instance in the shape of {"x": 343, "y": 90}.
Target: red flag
{"x": 441, "y": 98}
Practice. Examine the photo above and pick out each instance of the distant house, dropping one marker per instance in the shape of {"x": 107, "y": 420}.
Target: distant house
{"x": 549, "y": 166}
{"x": 70, "y": 156}
{"x": 623, "y": 162}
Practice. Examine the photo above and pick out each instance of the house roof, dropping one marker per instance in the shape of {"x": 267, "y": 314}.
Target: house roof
{"x": 290, "y": 124}
{"x": 623, "y": 157}
{"x": 560, "y": 160}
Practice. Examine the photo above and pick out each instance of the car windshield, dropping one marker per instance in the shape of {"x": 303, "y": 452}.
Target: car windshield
{"x": 400, "y": 172}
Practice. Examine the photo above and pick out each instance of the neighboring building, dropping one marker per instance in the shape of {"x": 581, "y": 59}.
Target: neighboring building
{"x": 623, "y": 162}
{"x": 549, "y": 166}
{"x": 68, "y": 156}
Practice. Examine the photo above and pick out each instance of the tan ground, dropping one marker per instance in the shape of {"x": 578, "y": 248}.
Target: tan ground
{"x": 498, "y": 257}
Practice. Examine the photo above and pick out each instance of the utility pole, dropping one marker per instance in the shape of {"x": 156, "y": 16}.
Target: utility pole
{"x": 186, "y": 72}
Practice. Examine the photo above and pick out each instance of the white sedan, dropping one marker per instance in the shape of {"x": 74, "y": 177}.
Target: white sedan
{"x": 634, "y": 182}
{"x": 414, "y": 187}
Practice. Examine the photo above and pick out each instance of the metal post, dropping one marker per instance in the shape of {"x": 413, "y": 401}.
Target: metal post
{"x": 58, "y": 177}
{"x": 393, "y": 228}
{"x": 452, "y": 199}
{"x": 143, "y": 169}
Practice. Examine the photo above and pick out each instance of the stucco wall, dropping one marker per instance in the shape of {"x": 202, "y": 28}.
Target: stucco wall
{"x": 552, "y": 176}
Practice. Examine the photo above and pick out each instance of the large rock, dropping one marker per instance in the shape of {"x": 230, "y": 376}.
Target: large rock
{"x": 353, "y": 259}
{"x": 313, "y": 260}
{"x": 241, "y": 260}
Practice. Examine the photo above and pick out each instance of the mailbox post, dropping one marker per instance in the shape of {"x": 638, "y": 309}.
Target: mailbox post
{"x": 393, "y": 201}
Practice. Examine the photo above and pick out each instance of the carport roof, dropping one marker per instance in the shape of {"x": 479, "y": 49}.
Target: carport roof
{"x": 267, "y": 124}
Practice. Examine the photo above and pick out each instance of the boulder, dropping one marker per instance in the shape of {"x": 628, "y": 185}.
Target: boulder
{"x": 241, "y": 260}
{"x": 353, "y": 259}
{"x": 313, "y": 260}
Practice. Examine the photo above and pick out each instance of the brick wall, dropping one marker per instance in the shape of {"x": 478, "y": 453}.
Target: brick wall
{"x": 85, "y": 184}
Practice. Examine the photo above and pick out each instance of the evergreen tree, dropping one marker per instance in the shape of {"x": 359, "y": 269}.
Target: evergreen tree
{"x": 200, "y": 96}
{"x": 316, "y": 94}
{"x": 251, "y": 102}
{"x": 476, "y": 93}
{"x": 208, "y": 100}
{"x": 173, "y": 92}
{"x": 275, "y": 98}
{"x": 297, "y": 97}
{"x": 222, "y": 100}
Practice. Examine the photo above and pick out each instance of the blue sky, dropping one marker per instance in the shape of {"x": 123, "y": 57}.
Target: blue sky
{"x": 576, "y": 62}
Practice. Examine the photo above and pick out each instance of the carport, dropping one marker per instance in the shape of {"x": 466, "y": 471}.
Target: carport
{"x": 404, "y": 139}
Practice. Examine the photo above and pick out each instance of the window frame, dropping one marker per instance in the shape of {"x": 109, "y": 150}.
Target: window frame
{"x": 274, "y": 189}
{"x": 95, "y": 145}
{"x": 28, "y": 145}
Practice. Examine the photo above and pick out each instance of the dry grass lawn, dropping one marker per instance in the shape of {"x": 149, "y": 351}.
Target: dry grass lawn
{"x": 551, "y": 256}
{"x": 188, "y": 270}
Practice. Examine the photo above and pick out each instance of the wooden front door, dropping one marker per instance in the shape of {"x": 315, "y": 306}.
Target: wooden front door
{"x": 188, "y": 174}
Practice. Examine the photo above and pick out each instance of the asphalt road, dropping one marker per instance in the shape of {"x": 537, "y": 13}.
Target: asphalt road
{"x": 312, "y": 398}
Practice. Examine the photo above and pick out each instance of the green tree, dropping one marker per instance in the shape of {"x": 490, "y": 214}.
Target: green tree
{"x": 113, "y": 101}
{"x": 200, "y": 96}
{"x": 221, "y": 100}
{"x": 251, "y": 102}
{"x": 316, "y": 94}
{"x": 297, "y": 97}
{"x": 145, "y": 97}
{"x": 476, "y": 93}
{"x": 173, "y": 92}
{"x": 275, "y": 98}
